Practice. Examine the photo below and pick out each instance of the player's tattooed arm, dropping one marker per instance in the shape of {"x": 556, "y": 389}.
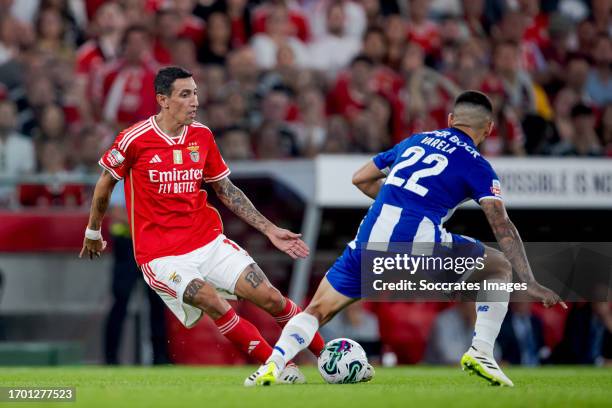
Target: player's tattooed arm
{"x": 99, "y": 205}
{"x": 511, "y": 244}
{"x": 508, "y": 238}
{"x": 101, "y": 199}
{"x": 234, "y": 199}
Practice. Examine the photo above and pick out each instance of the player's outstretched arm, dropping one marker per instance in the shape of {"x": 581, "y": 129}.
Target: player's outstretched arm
{"x": 369, "y": 179}
{"x": 512, "y": 245}
{"x": 234, "y": 199}
{"x": 99, "y": 205}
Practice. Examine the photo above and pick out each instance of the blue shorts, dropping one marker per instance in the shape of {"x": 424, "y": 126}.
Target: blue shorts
{"x": 345, "y": 274}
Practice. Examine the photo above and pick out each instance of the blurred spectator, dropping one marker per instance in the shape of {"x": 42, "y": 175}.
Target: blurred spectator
{"x": 584, "y": 141}
{"x": 333, "y": 50}
{"x": 421, "y": 30}
{"x": 295, "y": 23}
{"x": 278, "y": 31}
{"x": 521, "y": 338}
{"x": 451, "y": 334}
{"x": 356, "y": 323}
{"x": 136, "y": 12}
{"x": 17, "y": 156}
{"x": 275, "y": 137}
{"x": 217, "y": 45}
{"x": 235, "y": 144}
{"x": 352, "y": 89}
{"x": 240, "y": 66}
{"x": 373, "y": 12}
{"x": 51, "y": 31}
{"x": 53, "y": 168}
{"x": 512, "y": 30}
{"x": 564, "y": 101}
{"x": 556, "y": 53}
{"x": 127, "y": 93}
{"x": 602, "y": 16}
{"x": 336, "y": 136}
{"x": 507, "y": 136}
{"x": 107, "y": 30}
{"x": 426, "y": 94}
{"x": 474, "y": 17}
{"x": 40, "y": 93}
{"x": 91, "y": 143}
{"x": 167, "y": 29}
{"x": 375, "y": 45}
{"x": 599, "y": 81}
{"x": 184, "y": 55}
{"x": 191, "y": 26}
{"x": 310, "y": 127}
{"x": 239, "y": 12}
{"x": 395, "y": 34}
{"x": 52, "y": 125}
{"x": 318, "y": 14}
{"x": 517, "y": 82}
{"x": 577, "y": 74}
{"x": 605, "y": 130}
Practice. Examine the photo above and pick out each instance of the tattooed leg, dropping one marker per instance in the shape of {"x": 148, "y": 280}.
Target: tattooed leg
{"x": 254, "y": 286}
{"x": 203, "y": 296}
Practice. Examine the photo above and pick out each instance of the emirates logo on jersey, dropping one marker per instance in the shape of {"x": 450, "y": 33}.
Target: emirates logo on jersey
{"x": 177, "y": 181}
{"x": 194, "y": 154}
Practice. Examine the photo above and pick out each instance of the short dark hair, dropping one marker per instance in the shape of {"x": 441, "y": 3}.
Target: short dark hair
{"x": 475, "y": 98}
{"x": 581, "y": 109}
{"x": 362, "y": 58}
{"x": 135, "y": 28}
{"x": 165, "y": 78}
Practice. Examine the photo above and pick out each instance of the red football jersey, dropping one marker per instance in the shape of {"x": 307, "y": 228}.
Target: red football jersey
{"x": 168, "y": 213}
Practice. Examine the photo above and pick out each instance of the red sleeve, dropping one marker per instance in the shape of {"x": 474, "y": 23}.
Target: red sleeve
{"x": 117, "y": 160}
{"x": 215, "y": 168}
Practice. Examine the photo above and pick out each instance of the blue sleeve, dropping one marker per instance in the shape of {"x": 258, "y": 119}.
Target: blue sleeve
{"x": 483, "y": 182}
{"x": 117, "y": 197}
{"x": 386, "y": 159}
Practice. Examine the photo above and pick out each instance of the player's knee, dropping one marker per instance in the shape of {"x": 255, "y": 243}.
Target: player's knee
{"x": 273, "y": 301}
{"x": 207, "y": 300}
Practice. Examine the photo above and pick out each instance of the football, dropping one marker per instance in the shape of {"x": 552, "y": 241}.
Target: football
{"x": 343, "y": 361}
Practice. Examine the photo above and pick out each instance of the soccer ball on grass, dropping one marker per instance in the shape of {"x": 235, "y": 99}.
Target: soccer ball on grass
{"x": 343, "y": 361}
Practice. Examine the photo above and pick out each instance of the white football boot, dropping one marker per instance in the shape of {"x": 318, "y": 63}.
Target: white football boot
{"x": 484, "y": 366}
{"x": 291, "y": 375}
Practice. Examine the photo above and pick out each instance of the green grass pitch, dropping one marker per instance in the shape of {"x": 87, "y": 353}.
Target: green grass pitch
{"x": 217, "y": 387}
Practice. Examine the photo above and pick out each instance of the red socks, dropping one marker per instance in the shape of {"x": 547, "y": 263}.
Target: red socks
{"x": 290, "y": 310}
{"x": 248, "y": 339}
{"x": 244, "y": 336}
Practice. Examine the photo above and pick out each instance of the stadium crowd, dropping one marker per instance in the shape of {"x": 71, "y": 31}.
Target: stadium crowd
{"x": 295, "y": 78}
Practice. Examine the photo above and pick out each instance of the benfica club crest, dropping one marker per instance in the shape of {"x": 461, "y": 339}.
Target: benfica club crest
{"x": 194, "y": 154}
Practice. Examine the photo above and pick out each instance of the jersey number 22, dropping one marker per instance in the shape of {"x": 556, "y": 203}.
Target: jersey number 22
{"x": 413, "y": 155}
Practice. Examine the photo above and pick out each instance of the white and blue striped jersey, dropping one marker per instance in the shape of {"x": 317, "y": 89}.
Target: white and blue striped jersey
{"x": 428, "y": 176}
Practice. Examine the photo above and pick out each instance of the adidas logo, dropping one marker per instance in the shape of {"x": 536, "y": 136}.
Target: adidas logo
{"x": 252, "y": 345}
{"x": 155, "y": 159}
